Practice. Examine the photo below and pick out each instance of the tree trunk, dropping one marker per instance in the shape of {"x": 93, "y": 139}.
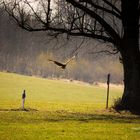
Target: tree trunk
{"x": 131, "y": 65}
{"x": 129, "y": 49}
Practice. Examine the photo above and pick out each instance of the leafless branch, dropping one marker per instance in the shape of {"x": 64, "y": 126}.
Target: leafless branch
{"x": 75, "y": 51}
{"x": 112, "y": 12}
{"x": 35, "y": 13}
{"x": 105, "y": 51}
{"x": 113, "y": 7}
{"x": 79, "y": 21}
{"x": 92, "y": 14}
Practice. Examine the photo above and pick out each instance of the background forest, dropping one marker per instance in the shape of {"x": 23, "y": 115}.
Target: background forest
{"x": 27, "y": 53}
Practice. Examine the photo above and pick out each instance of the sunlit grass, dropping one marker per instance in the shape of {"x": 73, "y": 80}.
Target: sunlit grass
{"x": 41, "y": 92}
{"x": 59, "y": 110}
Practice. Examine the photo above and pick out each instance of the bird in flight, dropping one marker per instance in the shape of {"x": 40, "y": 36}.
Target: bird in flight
{"x": 62, "y": 65}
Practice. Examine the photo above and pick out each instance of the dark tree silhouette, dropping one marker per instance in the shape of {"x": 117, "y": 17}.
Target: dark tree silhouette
{"x": 113, "y": 21}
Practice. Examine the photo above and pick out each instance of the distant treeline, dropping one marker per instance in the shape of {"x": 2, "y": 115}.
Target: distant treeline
{"x": 27, "y": 53}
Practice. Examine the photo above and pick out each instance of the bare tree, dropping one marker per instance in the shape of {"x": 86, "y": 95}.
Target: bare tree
{"x": 113, "y": 21}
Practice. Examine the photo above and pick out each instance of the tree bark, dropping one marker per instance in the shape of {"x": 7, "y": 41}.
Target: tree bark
{"x": 129, "y": 49}
{"x": 131, "y": 65}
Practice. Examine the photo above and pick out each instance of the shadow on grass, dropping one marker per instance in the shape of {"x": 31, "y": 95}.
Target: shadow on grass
{"x": 19, "y": 109}
{"x": 58, "y": 116}
{"x": 87, "y": 117}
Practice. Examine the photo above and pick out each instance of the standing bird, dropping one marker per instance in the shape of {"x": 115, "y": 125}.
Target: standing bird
{"x": 62, "y": 65}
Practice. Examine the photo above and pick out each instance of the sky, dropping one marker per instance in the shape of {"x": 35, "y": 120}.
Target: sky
{"x": 33, "y": 3}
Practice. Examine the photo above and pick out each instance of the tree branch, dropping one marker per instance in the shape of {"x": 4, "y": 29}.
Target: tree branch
{"x": 62, "y": 30}
{"x": 105, "y": 51}
{"x": 111, "y": 5}
{"x": 92, "y": 14}
{"x": 109, "y": 33}
{"x": 118, "y": 15}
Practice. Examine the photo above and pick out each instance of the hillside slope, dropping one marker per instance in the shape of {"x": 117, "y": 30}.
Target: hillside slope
{"x": 41, "y": 92}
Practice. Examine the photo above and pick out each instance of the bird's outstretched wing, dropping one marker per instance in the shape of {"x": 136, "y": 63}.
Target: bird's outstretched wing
{"x": 69, "y": 60}
{"x": 56, "y": 62}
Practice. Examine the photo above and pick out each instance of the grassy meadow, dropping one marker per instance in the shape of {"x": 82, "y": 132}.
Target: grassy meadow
{"x": 61, "y": 110}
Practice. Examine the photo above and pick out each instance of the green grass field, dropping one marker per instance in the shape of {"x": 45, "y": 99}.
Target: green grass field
{"x": 59, "y": 110}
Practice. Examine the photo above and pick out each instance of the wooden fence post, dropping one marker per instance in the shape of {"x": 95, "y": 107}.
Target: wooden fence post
{"x": 23, "y": 99}
{"x": 108, "y": 82}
